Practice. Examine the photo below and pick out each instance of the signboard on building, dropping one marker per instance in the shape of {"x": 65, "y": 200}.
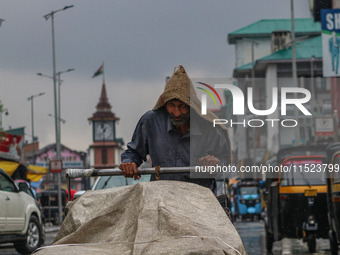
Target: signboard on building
{"x": 11, "y": 144}
{"x": 66, "y": 164}
{"x": 324, "y": 126}
{"x": 330, "y": 25}
{"x": 56, "y": 166}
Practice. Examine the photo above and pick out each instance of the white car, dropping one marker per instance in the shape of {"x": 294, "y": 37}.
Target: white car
{"x": 107, "y": 182}
{"x": 20, "y": 217}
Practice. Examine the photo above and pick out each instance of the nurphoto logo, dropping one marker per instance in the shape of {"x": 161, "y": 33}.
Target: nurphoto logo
{"x": 239, "y": 104}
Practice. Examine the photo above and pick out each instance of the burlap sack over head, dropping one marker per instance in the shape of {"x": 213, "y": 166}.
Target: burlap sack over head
{"x": 163, "y": 217}
{"x": 180, "y": 87}
{"x": 177, "y": 87}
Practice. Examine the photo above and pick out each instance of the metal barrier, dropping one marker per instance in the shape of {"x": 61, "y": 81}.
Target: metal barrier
{"x": 77, "y": 173}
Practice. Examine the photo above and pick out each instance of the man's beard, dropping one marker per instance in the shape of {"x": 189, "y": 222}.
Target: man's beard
{"x": 180, "y": 120}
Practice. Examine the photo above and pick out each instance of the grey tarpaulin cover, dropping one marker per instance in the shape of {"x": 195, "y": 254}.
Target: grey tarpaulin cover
{"x": 162, "y": 217}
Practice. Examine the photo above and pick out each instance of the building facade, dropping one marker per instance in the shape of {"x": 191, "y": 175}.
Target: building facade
{"x": 70, "y": 159}
{"x": 263, "y": 57}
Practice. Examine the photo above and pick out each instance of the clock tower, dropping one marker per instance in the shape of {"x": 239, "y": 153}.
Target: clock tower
{"x": 106, "y": 149}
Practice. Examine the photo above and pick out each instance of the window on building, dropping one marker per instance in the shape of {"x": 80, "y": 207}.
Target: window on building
{"x": 320, "y": 84}
{"x": 104, "y": 156}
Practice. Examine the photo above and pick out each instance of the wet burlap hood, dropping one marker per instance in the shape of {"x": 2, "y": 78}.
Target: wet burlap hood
{"x": 180, "y": 87}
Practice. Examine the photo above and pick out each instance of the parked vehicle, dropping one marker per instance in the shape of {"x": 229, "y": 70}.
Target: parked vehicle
{"x": 107, "y": 182}
{"x": 50, "y": 205}
{"x": 20, "y": 218}
{"x": 222, "y": 196}
{"x": 297, "y": 199}
{"x": 247, "y": 200}
{"x": 332, "y": 162}
{"x": 25, "y": 186}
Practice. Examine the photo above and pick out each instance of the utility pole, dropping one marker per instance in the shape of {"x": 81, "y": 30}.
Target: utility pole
{"x": 294, "y": 69}
{"x": 32, "y": 119}
{"x": 47, "y": 16}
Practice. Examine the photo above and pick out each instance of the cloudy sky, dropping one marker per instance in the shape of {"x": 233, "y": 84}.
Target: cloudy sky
{"x": 140, "y": 43}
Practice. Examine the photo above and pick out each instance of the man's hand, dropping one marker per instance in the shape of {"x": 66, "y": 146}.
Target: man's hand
{"x": 209, "y": 160}
{"x": 130, "y": 170}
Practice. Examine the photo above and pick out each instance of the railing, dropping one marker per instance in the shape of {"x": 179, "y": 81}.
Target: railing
{"x": 77, "y": 173}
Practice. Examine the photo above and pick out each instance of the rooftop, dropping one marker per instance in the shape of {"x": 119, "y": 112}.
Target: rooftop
{"x": 304, "y": 50}
{"x": 265, "y": 27}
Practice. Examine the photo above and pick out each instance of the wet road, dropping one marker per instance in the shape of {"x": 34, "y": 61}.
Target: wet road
{"x": 8, "y": 249}
{"x": 253, "y": 237}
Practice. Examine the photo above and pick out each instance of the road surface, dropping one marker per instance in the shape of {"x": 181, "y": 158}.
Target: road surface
{"x": 253, "y": 237}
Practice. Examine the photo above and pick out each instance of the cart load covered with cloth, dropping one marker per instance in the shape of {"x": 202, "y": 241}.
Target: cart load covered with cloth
{"x": 162, "y": 217}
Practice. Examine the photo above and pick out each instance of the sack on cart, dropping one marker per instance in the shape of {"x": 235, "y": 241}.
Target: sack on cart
{"x": 161, "y": 217}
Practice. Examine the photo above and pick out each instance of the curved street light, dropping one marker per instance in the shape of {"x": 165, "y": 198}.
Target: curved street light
{"x": 60, "y": 119}
{"x": 60, "y": 81}
{"x": 32, "y": 118}
{"x": 47, "y": 16}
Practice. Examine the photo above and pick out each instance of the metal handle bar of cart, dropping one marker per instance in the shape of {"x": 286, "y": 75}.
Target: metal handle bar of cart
{"x": 77, "y": 173}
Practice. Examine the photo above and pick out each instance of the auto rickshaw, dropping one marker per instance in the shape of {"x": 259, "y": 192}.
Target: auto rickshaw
{"x": 247, "y": 200}
{"x": 297, "y": 197}
{"x": 332, "y": 161}
{"x": 49, "y": 203}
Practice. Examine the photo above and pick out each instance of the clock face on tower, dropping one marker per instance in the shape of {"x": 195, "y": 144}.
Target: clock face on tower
{"x": 103, "y": 131}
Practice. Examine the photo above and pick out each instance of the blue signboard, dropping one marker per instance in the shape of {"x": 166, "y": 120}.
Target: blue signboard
{"x": 330, "y": 20}
{"x": 330, "y": 24}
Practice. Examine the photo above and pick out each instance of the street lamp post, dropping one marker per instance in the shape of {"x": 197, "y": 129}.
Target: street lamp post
{"x": 312, "y": 59}
{"x": 60, "y": 119}
{"x": 255, "y": 92}
{"x": 294, "y": 68}
{"x": 60, "y": 81}
{"x": 32, "y": 118}
{"x": 312, "y": 89}
{"x": 59, "y": 84}
{"x": 47, "y": 16}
